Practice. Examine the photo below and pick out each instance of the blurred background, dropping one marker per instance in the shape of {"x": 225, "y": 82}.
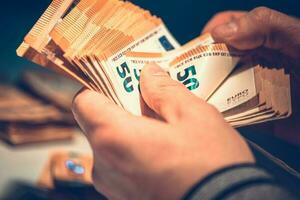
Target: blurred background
{"x": 25, "y": 162}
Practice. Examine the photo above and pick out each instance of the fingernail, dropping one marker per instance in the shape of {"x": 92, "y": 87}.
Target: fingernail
{"x": 155, "y": 70}
{"x": 226, "y": 30}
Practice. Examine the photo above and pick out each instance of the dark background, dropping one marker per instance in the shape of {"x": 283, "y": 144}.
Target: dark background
{"x": 184, "y": 18}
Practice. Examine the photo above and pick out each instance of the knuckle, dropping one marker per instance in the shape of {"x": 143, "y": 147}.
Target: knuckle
{"x": 168, "y": 86}
{"x": 262, "y": 14}
{"x": 164, "y": 92}
{"x": 269, "y": 19}
{"x": 222, "y": 14}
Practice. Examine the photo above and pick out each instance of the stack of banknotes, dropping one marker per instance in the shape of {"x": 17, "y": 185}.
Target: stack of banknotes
{"x": 25, "y": 119}
{"x": 37, "y": 109}
{"x": 104, "y": 44}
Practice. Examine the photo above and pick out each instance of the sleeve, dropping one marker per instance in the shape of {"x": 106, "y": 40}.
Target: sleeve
{"x": 238, "y": 182}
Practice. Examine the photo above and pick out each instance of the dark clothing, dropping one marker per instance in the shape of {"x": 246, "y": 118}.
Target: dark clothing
{"x": 240, "y": 182}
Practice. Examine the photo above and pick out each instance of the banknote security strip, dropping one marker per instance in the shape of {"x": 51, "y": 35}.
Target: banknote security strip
{"x": 104, "y": 44}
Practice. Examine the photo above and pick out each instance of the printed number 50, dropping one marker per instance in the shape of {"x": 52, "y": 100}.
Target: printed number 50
{"x": 190, "y": 83}
{"x": 123, "y": 72}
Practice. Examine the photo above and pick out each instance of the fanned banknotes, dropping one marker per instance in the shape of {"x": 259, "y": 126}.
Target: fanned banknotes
{"x": 104, "y": 44}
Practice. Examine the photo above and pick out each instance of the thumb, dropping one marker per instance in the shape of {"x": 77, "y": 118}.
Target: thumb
{"x": 261, "y": 27}
{"x": 169, "y": 98}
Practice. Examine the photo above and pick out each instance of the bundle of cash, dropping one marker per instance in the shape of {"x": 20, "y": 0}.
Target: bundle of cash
{"x": 104, "y": 44}
{"x": 25, "y": 119}
{"x": 253, "y": 95}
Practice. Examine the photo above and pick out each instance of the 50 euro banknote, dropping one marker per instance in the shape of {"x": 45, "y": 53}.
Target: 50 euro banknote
{"x": 201, "y": 69}
{"x": 104, "y": 45}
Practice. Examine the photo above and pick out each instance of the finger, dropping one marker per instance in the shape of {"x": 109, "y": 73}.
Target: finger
{"x": 106, "y": 124}
{"x": 168, "y": 98}
{"x": 261, "y": 27}
{"x": 147, "y": 111}
{"x": 222, "y": 18}
{"x": 93, "y": 110}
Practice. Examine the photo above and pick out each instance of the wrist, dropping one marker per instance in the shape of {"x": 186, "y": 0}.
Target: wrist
{"x": 225, "y": 180}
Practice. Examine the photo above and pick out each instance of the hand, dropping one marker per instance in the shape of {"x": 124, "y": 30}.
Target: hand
{"x": 274, "y": 38}
{"x": 261, "y": 27}
{"x": 143, "y": 158}
{"x": 222, "y": 18}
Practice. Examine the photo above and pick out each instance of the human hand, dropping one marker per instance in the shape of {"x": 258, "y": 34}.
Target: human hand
{"x": 261, "y": 27}
{"x": 273, "y": 38}
{"x": 222, "y": 18}
{"x": 144, "y": 158}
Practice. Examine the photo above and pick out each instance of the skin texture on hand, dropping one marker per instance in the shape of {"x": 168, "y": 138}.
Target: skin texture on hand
{"x": 222, "y": 18}
{"x": 261, "y": 27}
{"x": 144, "y": 158}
